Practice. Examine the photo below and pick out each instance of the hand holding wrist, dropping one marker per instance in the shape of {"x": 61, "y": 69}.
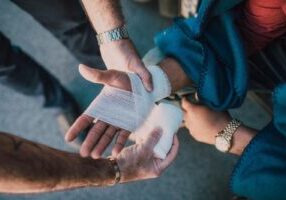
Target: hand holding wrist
{"x": 204, "y": 124}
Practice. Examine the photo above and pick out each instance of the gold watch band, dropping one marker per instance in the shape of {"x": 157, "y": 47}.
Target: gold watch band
{"x": 224, "y": 138}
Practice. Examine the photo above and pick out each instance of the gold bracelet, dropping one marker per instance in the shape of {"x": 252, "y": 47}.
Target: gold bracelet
{"x": 223, "y": 140}
{"x": 116, "y": 170}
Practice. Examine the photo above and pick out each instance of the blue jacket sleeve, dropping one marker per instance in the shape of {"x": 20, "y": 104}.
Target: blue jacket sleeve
{"x": 210, "y": 52}
{"x": 260, "y": 173}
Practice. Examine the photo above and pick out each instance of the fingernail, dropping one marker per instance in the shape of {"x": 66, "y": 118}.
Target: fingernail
{"x": 81, "y": 66}
{"x": 149, "y": 88}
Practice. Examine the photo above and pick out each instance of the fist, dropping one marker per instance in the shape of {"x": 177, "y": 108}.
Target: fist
{"x": 202, "y": 122}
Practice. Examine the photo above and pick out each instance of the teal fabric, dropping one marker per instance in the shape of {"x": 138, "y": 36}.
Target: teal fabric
{"x": 260, "y": 173}
{"x": 279, "y": 107}
{"x": 210, "y": 50}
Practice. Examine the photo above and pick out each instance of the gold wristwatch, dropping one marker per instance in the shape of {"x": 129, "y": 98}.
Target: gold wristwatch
{"x": 223, "y": 140}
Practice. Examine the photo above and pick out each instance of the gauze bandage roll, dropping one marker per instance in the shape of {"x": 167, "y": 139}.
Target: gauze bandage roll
{"x": 166, "y": 116}
{"x": 128, "y": 110}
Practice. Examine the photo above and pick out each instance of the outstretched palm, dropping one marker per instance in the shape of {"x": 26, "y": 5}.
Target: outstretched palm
{"x": 100, "y": 134}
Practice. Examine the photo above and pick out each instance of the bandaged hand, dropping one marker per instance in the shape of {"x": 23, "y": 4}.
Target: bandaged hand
{"x": 122, "y": 55}
{"x": 117, "y": 110}
{"x": 138, "y": 162}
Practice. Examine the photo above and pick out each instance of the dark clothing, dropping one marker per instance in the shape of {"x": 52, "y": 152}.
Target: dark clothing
{"x": 260, "y": 173}
{"x": 66, "y": 20}
{"x": 267, "y": 68}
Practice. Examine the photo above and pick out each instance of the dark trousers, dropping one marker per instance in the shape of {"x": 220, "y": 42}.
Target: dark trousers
{"x": 66, "y": 20}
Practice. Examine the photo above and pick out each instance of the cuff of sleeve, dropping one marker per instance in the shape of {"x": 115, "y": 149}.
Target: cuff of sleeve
{"x": 260, "y": 166}
{"x": 173, "y": 42}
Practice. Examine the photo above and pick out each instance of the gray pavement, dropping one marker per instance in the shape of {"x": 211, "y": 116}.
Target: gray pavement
{"x": 199, "y": 172}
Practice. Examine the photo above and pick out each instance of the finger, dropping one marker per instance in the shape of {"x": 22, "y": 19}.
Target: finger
{"x": 81, "y": 123}
{"x": 153, "y": 138}
{"x": 120, "y": 142}
{"x": 92, "y": 138}
{"x": 172, "y": 154}
{"x": 95, "y": 75}
{"x": 185, "y": 117}
{"x": 186, "y": 104}
{"x": 146, "y": 78}
{"x": 104, "y": 141}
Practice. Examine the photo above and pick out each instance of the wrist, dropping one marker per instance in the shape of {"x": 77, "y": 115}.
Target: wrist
{"x": 177, "y": 77}
{"x": 118, "y": 44}
{"x": 112, "y": 24}
{"x": 122, "y": 164}
{"x": 99, "y": 172}
{"x": 116, "y": 34}
{"x": 241, "y": 139}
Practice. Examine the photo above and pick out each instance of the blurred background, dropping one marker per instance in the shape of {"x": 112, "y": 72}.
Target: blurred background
{"x": 199, "y": 172}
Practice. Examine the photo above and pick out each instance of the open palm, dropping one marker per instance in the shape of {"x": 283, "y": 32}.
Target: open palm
{"x": 100, "y": 134}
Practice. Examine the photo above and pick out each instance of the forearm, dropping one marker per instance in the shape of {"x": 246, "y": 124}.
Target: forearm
{"x": 103, "y": 14}
{"x": 28, "y": 167}
{"x": 177, "y": 77}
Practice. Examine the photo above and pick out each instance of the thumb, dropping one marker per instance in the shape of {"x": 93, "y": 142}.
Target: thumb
{"x": 153, "y": 138}
{"x": 94, "y": 75}
{"x": 186, "y": 104}
{"x": 146, "y": 78}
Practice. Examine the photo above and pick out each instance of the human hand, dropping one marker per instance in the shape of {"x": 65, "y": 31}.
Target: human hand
{"x": 137, "y": 162}
{"x": 203, "y": 123}
{"x": 100, "y": 133}
{"x": 122, "y": 55}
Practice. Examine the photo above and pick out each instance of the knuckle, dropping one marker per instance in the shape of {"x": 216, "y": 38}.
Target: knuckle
{"x": 97, "y": 76}
{"x": 197, "y": 138}
{"x": 156, "y": 136}
{"x": 124, "y": 136}
{"x": 108, "y": 136}
{"x": 130, "y": 67}
{"x": 145, "y": 75}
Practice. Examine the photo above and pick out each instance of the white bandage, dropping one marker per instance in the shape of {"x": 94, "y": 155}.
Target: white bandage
{"x": 128, "y": 110}
{"x": 166, "y": 116}
{"x": 137, "y": 112}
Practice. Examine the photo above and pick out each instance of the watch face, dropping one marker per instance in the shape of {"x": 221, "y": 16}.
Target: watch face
{"x": 222, "y": 144}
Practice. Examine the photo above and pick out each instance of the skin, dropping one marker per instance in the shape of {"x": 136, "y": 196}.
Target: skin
{"x": 106, "y": 15}
{"x": 204, "y": 124}
{"x": 101, "y": 134}
{"x": 121, "y": 55}
{"x": 29, "y": 167}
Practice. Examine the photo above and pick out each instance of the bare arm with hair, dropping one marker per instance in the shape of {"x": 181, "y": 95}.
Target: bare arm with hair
{"x": 28, "y": 167}
{"x": 106, "y": 15}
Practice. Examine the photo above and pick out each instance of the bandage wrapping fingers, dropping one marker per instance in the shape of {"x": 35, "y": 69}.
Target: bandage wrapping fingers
{"x": 137, "y": 112}
{"x": 166, "y": 116}
{"x": 128, "y": 110}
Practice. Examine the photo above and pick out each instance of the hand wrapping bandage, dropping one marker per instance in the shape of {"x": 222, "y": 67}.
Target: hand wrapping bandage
{"x": 128, "y": 110}
{"x": 137, "y": 112}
